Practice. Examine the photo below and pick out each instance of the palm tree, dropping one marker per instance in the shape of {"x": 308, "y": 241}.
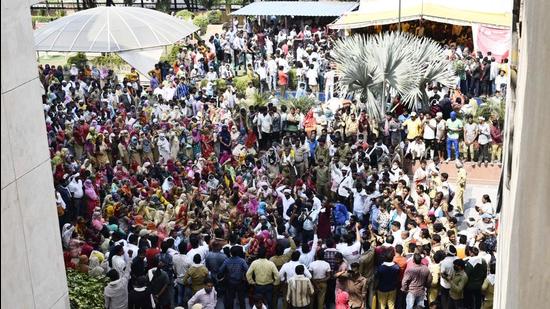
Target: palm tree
{"x": 371, "y": 68}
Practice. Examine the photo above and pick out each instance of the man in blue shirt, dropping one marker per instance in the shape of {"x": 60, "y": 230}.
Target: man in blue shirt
{"x": 182, "y": 90}
{"x": 234, "y": 271}
{"x": 388, "y": 281}
{"x": 374, "y": 213}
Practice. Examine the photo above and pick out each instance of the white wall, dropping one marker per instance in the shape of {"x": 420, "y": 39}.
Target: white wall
{"x": 523, "y": 246}
{"x": 33, "y": 274}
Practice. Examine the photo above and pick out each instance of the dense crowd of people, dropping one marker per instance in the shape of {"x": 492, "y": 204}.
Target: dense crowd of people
{"x": 183, "y": 197}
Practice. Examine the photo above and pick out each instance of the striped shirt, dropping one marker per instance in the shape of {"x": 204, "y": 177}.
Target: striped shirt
{"x": 299, "y": 291}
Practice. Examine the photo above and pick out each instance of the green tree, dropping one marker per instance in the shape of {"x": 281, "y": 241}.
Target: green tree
{"x": 163, "y": 5}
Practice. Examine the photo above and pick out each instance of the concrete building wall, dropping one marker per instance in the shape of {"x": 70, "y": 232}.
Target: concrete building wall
{"x": 523, "y": 250}
{"x": 33, "y": 274}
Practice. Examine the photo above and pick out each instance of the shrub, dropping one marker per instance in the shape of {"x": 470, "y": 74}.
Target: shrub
{"x": 44, "y": 19}
{"x": 109, "y": 60}
{"x": 85, "y": 292}
{"x": 201, "y": 21}
{"x": 304, "y": 103}
{"x": 214, "y": 17}
{"x": 260, "y": 99}
{"x": 221, "y": 85}
{"x": 240, "y": 83}
{"x": 172, "y": 55}
{"x": 185, "y": 14}
{"x": 80, "y": 60}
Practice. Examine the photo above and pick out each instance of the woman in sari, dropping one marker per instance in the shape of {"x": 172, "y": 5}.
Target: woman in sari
{"x": 92, "y": 199}
{"x": 207, "y": 143}
{"x": 197, "y": 138}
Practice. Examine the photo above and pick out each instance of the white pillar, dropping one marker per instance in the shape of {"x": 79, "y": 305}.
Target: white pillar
{"x": 523, "y": 261}
{"x": 33, "y": 272}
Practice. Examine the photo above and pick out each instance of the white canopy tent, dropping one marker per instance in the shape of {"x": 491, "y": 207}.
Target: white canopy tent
{"x": 494, "y": 13}
{"x": 142, "y": 59}
{"x": 130, "y": 31}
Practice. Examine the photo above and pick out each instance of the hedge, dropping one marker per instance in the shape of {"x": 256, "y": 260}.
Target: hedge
{"x": 185, "y": 14}
{"x": 201, "y": 21}
{"x": 214, "y": 17}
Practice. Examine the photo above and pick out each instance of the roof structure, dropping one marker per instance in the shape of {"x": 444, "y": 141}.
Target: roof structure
{"x": 112, "y": 29}
{"x": 296, "y": 8}
{"x": 494, "y": 13}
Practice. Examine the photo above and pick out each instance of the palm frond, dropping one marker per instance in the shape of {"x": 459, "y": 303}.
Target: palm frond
{"x": 403, "y": 62}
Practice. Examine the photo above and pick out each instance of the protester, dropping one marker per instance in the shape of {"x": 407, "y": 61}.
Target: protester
{"x": 197, "y": 194}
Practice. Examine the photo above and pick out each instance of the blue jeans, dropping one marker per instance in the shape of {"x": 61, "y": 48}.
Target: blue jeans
{"x": 413, "y": 301}
{"x": 180, "y": 294}
{"x": 266, "y": 291}
{"x": 236, "y": 289}
{"x": 453, "y": 143}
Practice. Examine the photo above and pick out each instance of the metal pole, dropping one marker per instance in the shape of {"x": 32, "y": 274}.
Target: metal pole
{"x": 399, "y": 16}
{"x": 383, "y": 107}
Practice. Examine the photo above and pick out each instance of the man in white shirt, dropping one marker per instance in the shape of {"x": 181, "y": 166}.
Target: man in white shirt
{"x": 285, "y": 194}
{"x": 287, "y": 271}
{"x": 131, "y": 245}
{"x": 264, "y": 122}
{"x": 421, "y": 175}
{"x": 281, "y": 61}
{"x": 351, "y": 250}
{"x": 307, "y": 257}
{"x": 271, "y": 73}
{"x": 343, "y": 179}
{"x": 447, "y": 271}
{"x": 430, "y": 125}
{"x": 181, "y": 266}
{"x": 211, "y": 76}
{"x": 320, "y": 274}
{"x": 329, "y": 84}
{"x": 197, "y": 248}
{"x": 417, "y": 149}
{"x": 359, "y": 200}
{"x": 268, "y": 46}
{"x": 261, "y": 70}
{"x": 312, "y": 76}
{"x": 397, "y": 213}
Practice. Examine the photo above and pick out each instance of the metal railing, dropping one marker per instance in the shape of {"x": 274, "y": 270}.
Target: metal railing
{"x": 77, "y": 5}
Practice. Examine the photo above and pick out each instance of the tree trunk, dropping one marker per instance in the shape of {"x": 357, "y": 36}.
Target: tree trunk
{"x": 227, "y": 7}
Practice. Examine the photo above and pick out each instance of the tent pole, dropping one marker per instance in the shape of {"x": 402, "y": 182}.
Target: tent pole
{"x": 399, "y": 16}
{"x": 383, "y": 107}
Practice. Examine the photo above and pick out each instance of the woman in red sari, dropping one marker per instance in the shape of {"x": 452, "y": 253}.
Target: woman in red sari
{"x": 207, "y": 142}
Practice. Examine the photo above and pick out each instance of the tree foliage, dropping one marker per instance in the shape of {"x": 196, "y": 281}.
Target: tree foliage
{"x": 374, "y": 67}
{"x": 185, "y": 14}
{"x": 110, "y": 60}
{"x": 85, "y": 292}
{"x": 201, "y": 21}
{"x": 80, "y": 60}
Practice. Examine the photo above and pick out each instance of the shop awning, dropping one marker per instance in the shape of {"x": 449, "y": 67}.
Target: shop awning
{"x": 296, "y": 8}
{"x": 495, "y": 13}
